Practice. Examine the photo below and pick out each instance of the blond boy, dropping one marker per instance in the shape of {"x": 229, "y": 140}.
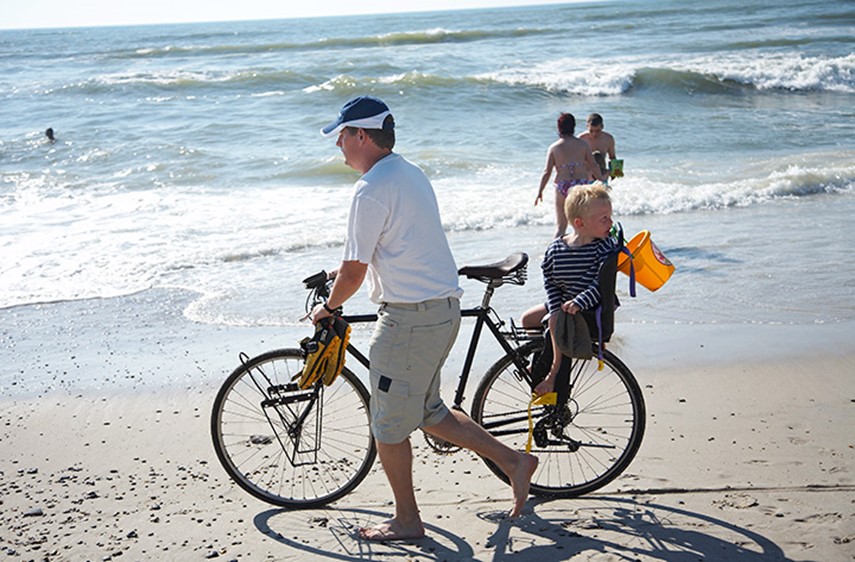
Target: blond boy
{"x": 571, "y": 263}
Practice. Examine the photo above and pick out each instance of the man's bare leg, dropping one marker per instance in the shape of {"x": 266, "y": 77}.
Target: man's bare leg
{"x": 459, "y": 429}
{"x": 397, "y": 461}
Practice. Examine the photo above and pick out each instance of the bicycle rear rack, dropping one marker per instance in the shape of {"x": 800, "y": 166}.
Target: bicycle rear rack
{"x": 522, "y": 334}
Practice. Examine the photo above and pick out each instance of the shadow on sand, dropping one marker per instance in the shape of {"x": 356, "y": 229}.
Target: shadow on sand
{"x": 618, "y": 528}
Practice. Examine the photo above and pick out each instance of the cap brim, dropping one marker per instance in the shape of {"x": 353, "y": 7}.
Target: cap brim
{"x": 373, "y": 122}
{"x": 332, "y": 129}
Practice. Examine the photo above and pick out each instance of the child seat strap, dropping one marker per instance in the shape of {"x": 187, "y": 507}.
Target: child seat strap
{"x": 617, "y": 231}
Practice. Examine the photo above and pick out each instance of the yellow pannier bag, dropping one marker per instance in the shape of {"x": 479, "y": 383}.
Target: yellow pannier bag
{"x": 325, "y": 352}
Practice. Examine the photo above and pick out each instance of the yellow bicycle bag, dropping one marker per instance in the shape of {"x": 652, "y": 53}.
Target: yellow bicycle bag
{"x": 337, "y": 351}
{"x": 325, "y": 352}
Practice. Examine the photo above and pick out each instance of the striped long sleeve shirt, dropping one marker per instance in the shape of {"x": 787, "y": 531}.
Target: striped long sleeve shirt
{"x": 570, "y": 272}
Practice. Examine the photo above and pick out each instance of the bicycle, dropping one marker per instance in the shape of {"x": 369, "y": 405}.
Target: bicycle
{"x": 306, "y": 448}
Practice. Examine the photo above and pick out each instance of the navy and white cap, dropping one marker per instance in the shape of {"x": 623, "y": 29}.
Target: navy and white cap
{"x": 364, "y": 112}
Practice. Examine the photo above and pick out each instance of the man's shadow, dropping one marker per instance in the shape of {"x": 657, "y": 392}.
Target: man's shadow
{"x": 332, "y": 534}
{"x": 553, "y": 530}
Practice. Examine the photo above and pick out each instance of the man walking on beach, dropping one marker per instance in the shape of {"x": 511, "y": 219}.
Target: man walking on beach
{"x": 395, "y": 238}
{"x": 601, "y": 142}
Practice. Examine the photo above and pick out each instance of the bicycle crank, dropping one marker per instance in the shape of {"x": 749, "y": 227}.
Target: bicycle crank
{"x": 440, "y": 446}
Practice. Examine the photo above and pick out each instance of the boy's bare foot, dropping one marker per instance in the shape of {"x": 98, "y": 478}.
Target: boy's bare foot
{"x": 547, "y": 385}
{"x": 544, "y": 387}
{"x": 520, "y": 482}
{"x": 391, "y": 531}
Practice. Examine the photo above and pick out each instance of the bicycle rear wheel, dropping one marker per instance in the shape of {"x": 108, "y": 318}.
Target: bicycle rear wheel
{"x": 583, "y": 445}
{"x": 292, "y": 448}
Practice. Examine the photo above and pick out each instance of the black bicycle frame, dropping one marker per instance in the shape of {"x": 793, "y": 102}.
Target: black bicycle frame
{"x": 482, "y": 318}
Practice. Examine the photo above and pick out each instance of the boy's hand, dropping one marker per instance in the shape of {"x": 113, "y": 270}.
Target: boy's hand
{"x": 570, "y": 307}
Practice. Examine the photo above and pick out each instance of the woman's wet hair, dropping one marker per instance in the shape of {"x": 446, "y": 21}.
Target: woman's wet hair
{"x": 566, "y": 124}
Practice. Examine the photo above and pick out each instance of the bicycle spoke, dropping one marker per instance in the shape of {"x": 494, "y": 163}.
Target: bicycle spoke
{"x": 290, "y": 447}
{"x": 581, "y": 446}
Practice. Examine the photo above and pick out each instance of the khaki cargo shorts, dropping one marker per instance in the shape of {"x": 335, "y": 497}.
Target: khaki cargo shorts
{"x": 408, "y": 348}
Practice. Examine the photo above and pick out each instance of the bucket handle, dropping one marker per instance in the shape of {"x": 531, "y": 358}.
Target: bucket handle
{"x": 625, "y": 250}
{"x": 622, "y": 249}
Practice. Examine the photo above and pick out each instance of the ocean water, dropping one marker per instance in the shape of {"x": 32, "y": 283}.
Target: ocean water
{"x": 188, "y": 156}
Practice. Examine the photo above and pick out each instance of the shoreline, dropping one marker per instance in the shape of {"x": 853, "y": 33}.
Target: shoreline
{"x": 144, "y": 341}
{"x": 747, "y": 454}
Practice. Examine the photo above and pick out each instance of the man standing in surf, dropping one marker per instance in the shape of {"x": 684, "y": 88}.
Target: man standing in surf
{"x": 601, "y": 143}
{"x": 395, "y": 238}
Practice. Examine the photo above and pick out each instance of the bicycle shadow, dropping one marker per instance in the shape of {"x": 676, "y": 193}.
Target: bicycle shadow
{"x": 553, "y": 530}
{"x": 626, "y": 529}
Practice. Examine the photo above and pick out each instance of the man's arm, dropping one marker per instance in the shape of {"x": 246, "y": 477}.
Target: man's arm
{"x": 347, "y": 282}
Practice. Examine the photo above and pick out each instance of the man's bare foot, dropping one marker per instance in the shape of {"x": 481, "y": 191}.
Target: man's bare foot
{"x": 392, "y": 531}
{"x": 521, "y": 480}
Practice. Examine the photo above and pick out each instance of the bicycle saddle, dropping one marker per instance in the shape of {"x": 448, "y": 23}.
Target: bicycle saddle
{"x": 512, "y": 269}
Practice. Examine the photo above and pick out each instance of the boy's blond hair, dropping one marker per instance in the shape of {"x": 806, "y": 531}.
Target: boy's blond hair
{"x": 581, "y": 197}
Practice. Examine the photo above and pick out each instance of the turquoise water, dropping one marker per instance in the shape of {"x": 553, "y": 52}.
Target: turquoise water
{"x": 188, "y": 156}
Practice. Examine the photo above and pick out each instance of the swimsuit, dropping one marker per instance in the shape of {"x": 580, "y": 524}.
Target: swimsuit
{"x": 564, "y": 186}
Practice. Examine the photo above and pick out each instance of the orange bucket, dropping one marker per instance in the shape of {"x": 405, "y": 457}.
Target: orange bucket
{"x": 652, "y": 268}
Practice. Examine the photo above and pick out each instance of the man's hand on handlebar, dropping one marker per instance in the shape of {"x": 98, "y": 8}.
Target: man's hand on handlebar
{"x": 319, "y": 313}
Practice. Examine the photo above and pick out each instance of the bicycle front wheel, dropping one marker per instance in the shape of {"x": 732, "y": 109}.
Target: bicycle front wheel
{"x": 581, "y": 445}
{"x": 292, "y": 448}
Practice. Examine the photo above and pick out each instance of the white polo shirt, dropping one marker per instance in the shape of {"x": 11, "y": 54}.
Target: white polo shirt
{"x": 394, "y": 227}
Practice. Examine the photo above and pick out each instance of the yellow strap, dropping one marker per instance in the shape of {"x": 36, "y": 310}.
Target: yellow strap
{"x": 548, "y": 399}
{"x": 337, "y": 355}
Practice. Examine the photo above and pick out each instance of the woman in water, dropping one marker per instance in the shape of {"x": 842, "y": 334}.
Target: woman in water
{"x": 572, "y": 161}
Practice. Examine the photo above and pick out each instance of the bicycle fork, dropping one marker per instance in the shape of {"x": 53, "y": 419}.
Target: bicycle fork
{"x": 280, "y": 398}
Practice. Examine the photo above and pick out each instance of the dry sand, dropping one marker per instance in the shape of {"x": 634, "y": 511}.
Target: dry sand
{"x": 748, "y": 453}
